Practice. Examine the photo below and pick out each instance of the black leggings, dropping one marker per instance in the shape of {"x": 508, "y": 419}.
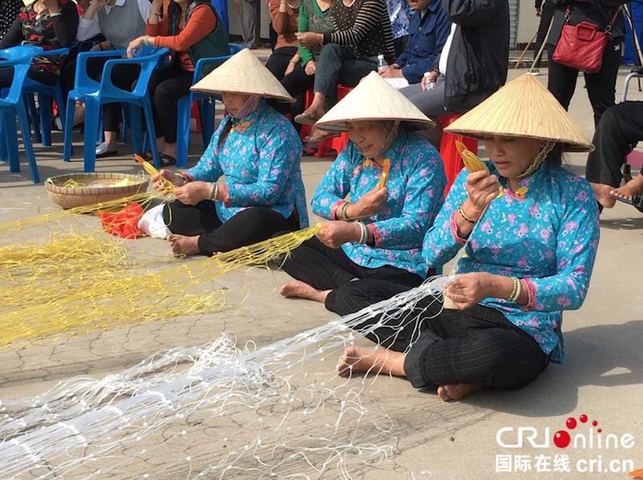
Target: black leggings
{"x": 600, "y": 86}
{"x": 249, "y": 226}
{"x": 166, "y": 87}
{"x": 474, "y": 346}
{"x": 325, "y": 268}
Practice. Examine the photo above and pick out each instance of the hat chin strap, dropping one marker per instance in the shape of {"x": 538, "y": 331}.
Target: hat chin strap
{"x": 389, "y": 140}
{"x": 540, "y": 158}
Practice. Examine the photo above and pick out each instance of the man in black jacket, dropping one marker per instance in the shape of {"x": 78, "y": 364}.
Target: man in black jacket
{"x": 473, "y": 63}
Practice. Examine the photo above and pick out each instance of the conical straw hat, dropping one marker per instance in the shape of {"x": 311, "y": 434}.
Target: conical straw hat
{"x": 373, "y": 99}
{"x": 523, "y": 108}
{"x": 243, "y": 73}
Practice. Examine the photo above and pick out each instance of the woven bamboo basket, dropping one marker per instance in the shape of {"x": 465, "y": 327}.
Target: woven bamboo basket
{"x": 80, "y": 189}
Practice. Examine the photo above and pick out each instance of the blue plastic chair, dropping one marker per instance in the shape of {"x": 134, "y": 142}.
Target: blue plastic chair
{"x": 42, "y": 121}
{"x": 206, "y": 105}
{"x": 95, "y": 94}
{"x": 12, "y": 105}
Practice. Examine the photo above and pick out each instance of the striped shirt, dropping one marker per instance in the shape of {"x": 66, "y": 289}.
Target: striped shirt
{"x": 370, "y": 34}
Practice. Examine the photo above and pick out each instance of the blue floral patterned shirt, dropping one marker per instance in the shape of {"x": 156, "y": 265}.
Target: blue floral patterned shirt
{"x": 549, "y": 238}
{"x": 415, "y": 186}
{"x": 261, "y": 161}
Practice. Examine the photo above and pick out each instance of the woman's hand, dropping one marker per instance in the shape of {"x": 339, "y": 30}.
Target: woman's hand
{"x": 428, "y": 81}
{"x": 291, "y": 67}
{"x": 394, "y": 71}
{"x": 310, "y": 39}
{"x": 469, "y": 289}
{"x": 193, "y": 192}
{"x": 52, "y": 6}
{"x": 334, "y": 234}
{"x": 159, "y": 181}
{"x": 370, "y": 204}
{"x": 310, "y": 68}
{"x": 136, "y": 45}
{"x": 482, "y": 188}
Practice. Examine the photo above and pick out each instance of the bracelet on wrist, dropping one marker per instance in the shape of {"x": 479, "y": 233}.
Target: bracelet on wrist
{"x": 516, "y": 290}
{"x": 465, "y": 216}
{"x": 363, "y": 232}
{"x": 214, "y": 191}
{"x": 342, "y": 212}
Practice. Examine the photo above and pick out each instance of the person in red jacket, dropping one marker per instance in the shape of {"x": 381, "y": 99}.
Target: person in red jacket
{"x": 192, "y": 29}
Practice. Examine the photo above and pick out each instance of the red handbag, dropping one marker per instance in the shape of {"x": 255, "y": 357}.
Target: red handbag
{"x": 581, "y": 46}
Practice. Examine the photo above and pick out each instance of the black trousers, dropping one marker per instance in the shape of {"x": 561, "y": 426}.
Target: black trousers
{"x": 123, "y": 76}
{"x": 6, "y": 76}
{"x": 249, "y": 226}
{"x": 546, "y": 12}
{"x": 618, "y": 131}
{"x": 278, "y": 61}
{"x": 326, "y": 268}
{"x": 600, "y": 86}
{"x": 166, "y": 87}
{"x": 474, "y": 346}
{"x": 297, "y": 81}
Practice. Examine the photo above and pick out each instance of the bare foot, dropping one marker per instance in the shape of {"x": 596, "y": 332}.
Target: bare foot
{"x": 299, "y": 289}
{"x": 630, "y": 190}
{"x": 364, "y": 359}
{"x": 183, "y": 245}
{"x": 602, "y": 194}
{"x": 457, "y": 391}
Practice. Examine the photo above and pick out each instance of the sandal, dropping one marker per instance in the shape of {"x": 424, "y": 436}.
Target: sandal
{"x": 166, "y": 160}
{"x": 309, "y": 117}
{"x": 636, "y": 201}
{"x": 318, "y": 135}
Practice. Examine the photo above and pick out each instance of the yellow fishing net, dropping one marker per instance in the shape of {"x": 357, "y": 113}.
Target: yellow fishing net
{"x": 85, "y": 280}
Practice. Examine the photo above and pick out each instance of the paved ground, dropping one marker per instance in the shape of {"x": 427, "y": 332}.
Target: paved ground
{"x": 427, "y": 438}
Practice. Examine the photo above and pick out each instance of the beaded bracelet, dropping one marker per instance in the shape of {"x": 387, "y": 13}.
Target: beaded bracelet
{"x": 466, "y": 218}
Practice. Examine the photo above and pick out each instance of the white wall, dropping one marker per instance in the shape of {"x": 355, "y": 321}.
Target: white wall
{"x": 527, "y": 21}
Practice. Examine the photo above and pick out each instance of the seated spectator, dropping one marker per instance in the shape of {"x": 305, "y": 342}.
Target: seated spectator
{"x": 284, "y": 21}
{"x": 259, "y": 153}
{"x": 363, "y": 31}
{"x": 314, "y": 16}
{"x": 428, "y": 32}
{"x": 118, "y": 22}
{"x": 50, "y": 24}
{"x": 394, "y": 179}
{"x": 530, "y": 232}
{"x": 192, "y": 29}
{"x": 619, "y": 130}
{"x": 8, "y": 13}
{"x": 85, "y": 42}
{"x": 399, "y": 14}
{"x": 473, "y": 63}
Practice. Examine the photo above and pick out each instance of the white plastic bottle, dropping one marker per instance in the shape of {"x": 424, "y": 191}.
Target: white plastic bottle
{"x": 381, "y": 64}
